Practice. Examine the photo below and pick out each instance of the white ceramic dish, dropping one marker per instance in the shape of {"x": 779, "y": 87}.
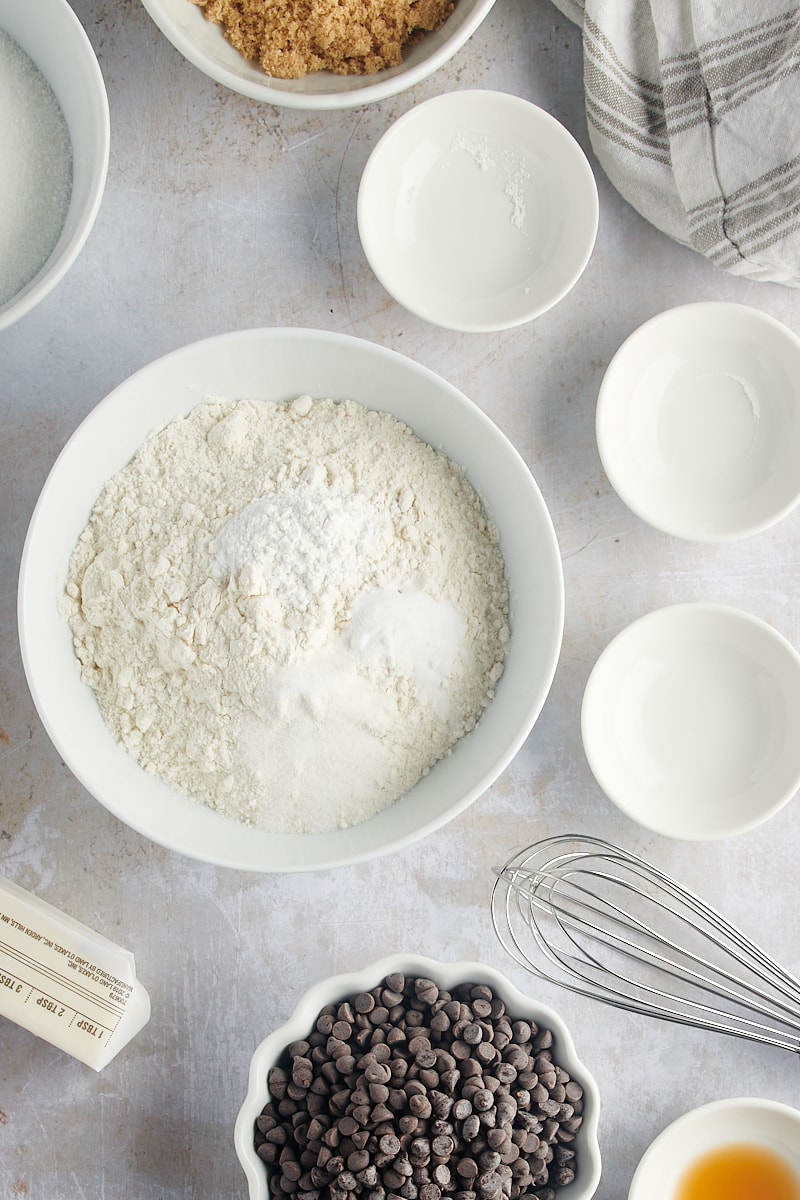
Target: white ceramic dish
{"x": 53, "y": 37}
{"x": 698, "y": 421}
{"x": 691, "y": 721}
{"x": 723, "y": 1123}
{"x": 275, "y": 364}
{"x": 203, "y": 44}
{"x": 477, "y": 210}
{"x": 447, "y": 976}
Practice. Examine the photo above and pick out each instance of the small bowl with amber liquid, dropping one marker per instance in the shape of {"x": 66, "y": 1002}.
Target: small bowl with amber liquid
{"x": 737, "y": 1149}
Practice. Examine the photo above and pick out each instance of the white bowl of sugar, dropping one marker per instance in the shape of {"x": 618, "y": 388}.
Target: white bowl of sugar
{"x": 54, "y": 139}
{"x": 349, "y": 633}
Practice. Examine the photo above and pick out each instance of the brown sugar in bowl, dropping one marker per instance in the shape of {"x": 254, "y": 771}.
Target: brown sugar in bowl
{"x": 349, "y": 37}
{"x": 204, "y": 44}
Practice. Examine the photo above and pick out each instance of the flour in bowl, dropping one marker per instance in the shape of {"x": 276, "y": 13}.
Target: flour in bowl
{"x": 289, "y": 612}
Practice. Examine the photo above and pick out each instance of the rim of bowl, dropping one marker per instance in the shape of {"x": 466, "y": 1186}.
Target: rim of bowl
{"x": 34, "y": 569}
{"x": 446, "y": 975}
{"x": 94, "y": 167}
{"x": 388, "y": 83}
{"x": 604, "y": 434}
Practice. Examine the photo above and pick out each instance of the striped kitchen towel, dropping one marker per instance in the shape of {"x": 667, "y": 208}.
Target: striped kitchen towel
{"x": 693, "y": 109}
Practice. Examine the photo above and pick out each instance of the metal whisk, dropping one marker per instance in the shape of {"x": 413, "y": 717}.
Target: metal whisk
{"x": 602, "y": 922}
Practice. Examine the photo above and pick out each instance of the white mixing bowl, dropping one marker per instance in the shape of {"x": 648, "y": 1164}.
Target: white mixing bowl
{"x": 278, "y": 365}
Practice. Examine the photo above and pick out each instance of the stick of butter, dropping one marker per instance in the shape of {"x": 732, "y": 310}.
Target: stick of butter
{"x": 64, "y": 982}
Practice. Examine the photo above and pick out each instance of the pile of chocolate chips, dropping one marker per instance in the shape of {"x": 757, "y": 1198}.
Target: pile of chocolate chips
{"x": 409, "y": 1092}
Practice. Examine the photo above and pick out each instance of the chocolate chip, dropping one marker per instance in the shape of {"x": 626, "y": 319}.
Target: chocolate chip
{"x": 426, "y": 990}
{"x": 471, "y": 1127}
{"x": 420, "y": 1106}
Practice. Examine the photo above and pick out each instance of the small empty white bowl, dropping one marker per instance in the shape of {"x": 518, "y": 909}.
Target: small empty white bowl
{"x": 698, "y": 421}
{"x": 691, "y": 721}
{"x": 54, "y": 39}
{"x": 477, "y": 211}
{"x": 203, "y": 44}
{"x": 724, "y": 1124}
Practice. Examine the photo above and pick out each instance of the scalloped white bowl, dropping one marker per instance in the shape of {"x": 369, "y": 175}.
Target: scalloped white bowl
{"x": 447, "y": 976}
{"x": 203, "y": 44}
{"x": 278, "y": 365}
{"x": 53, "y": 37}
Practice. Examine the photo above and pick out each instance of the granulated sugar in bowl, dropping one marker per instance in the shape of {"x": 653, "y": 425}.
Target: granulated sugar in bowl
{"x": 276, "y": 556}
{"x": 54, "y": 146}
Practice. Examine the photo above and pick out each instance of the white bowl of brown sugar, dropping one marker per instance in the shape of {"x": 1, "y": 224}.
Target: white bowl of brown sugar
{"x": 303, "y": 609}
{"x": 346, "y": 55}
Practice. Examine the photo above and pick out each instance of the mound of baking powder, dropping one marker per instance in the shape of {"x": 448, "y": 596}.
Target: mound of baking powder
{"x": 289, "y": 612}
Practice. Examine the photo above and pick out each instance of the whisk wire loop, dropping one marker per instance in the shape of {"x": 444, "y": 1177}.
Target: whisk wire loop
{"x": 616, "y": 918}
{"x": 571, "y": 910}
{"x": 695, "y": 1013}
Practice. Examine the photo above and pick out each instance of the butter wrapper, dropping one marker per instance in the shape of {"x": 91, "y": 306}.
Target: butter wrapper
{"x": 65, "y": 983}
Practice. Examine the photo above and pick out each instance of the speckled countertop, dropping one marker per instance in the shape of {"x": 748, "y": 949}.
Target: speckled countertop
{"x": 220, "y": 214}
